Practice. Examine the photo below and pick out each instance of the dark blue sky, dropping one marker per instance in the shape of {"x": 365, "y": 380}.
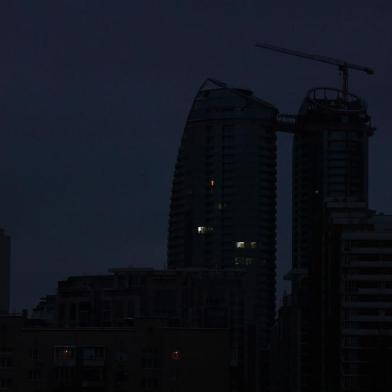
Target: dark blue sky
{"x": 93, "y": 99}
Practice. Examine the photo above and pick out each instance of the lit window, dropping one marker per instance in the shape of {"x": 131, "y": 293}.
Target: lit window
{"x": 175, "y": 355}
{"x": 212, "y": 183}
{"x": 243, "y": 244}
{"x": 64, "y": 353}
{"x": 204, "y": 229}
{"x": 67, "y": 353}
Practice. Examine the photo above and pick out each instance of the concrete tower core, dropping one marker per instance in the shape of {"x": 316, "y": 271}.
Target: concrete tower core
{"x": 330, "y": 175}
{"x": 330, "y": 162}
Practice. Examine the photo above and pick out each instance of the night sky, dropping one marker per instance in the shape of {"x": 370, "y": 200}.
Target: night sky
{"x": 94, "y": 96}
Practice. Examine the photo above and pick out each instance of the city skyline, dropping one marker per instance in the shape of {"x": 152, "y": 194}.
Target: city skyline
{"x": 186, "y": 211}
{"x": 73, "y": 178}
{"x": 332, "y": 267}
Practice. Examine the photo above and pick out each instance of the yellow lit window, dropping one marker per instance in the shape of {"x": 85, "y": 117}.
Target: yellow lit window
{"x": 204, "y": 229}
{"x": 243, "y": 244}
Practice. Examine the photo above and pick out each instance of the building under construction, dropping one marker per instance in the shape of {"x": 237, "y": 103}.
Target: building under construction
{"x": 223, "y": 215}
{"x": 333, "y": 331}
{"x": 330, "y": 167}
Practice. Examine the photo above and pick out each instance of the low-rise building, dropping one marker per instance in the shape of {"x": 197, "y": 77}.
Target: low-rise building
{"x": 145, "y": 356}
{"x": 187, "y": 298}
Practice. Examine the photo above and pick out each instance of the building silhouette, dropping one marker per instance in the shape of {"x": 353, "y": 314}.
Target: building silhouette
{"x": 358, "y": 313}
{"x": 207, "y": 322}
{"x": 145, "y": 355}
{"x": 185, "y": 298}
{"x": 354, "y": 346}
{"x": 330, "y": 165}
{"x": 5, "y": 248}
{"x": 330, "y": 168}
{"x": 223, "y": 202}
{"x": 221, "y": 250}
{"x": 327, "y": 332}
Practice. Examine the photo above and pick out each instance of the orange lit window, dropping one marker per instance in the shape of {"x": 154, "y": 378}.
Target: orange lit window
{"x": 175, "y": 355}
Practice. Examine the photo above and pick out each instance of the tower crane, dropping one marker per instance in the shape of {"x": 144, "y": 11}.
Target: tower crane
{"x": 343, "y": 66}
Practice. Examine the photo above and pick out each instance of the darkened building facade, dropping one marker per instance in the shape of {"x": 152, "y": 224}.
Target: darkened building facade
{"x": 223, "y": 202}
{"x": 330, "y": 172}
{"x": 4, "y": 272}
{"x": 144, "y": 356}
{"x": 284, "y": 356}
{"x": 330, "y": 164}
{"x": 355, "y": 342}
{"x": 184, "y": 298}
{"x": 358, "y": 315}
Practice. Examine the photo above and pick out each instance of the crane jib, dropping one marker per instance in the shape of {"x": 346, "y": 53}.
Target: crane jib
{"x": 342, "y": 65}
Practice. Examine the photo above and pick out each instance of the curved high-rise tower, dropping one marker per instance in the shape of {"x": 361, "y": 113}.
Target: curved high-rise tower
{"x": 223, "y": 212}
{"x": 223, "y": 203}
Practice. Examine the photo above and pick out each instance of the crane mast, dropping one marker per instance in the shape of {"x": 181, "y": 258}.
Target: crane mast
{"x": 343, "y": 66}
